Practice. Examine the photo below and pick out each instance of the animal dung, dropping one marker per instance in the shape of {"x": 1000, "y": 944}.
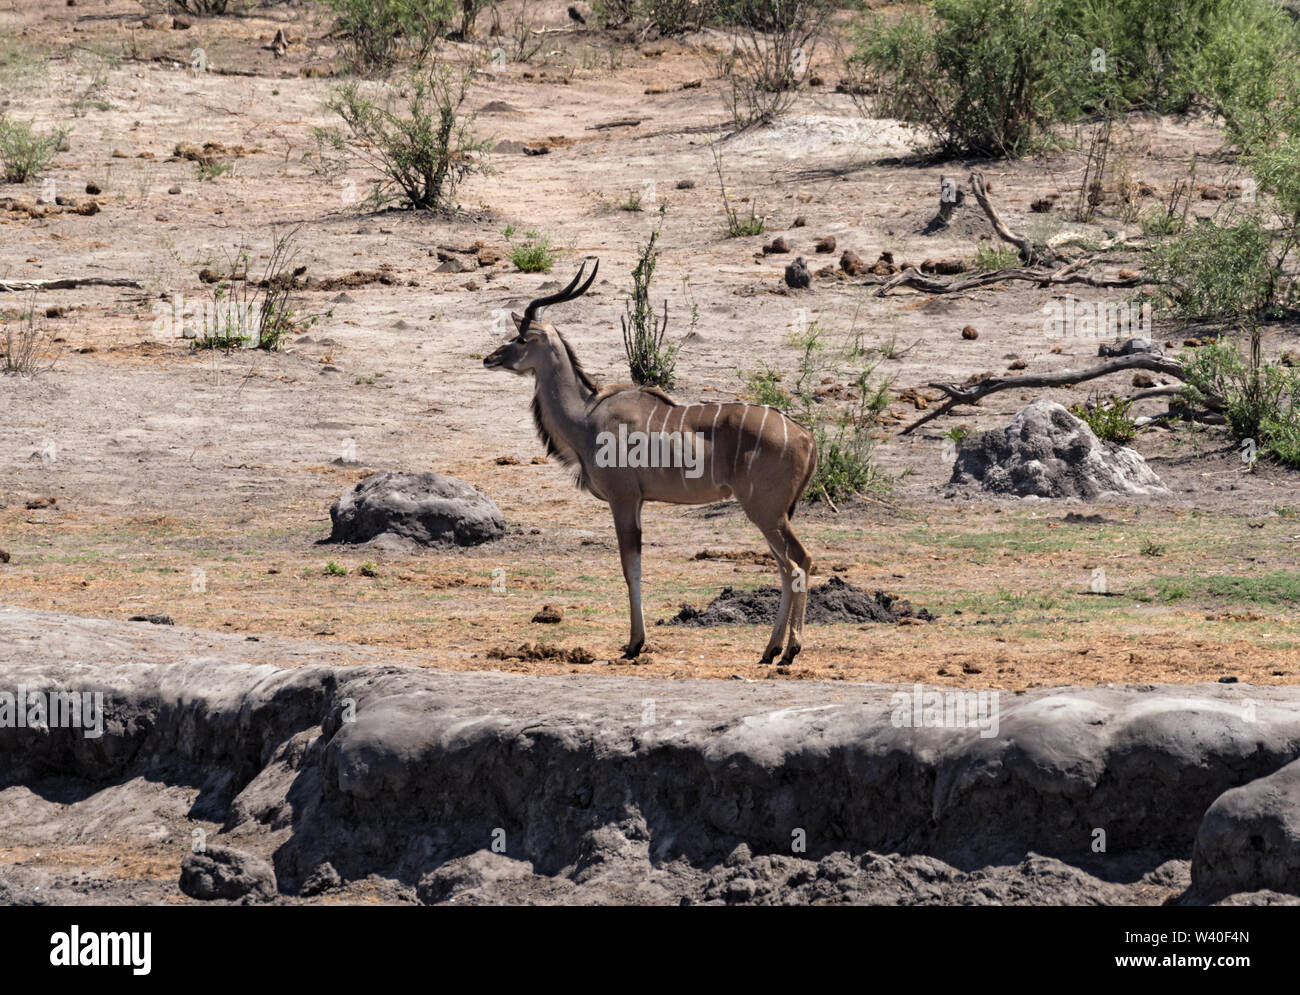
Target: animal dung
{"x": 797, "y": 276}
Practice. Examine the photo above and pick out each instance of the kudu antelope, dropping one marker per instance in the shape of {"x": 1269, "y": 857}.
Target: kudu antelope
{"x": 629, "y": 445}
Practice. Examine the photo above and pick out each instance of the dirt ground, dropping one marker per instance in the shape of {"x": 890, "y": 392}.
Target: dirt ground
{"x": 198, "y": 484}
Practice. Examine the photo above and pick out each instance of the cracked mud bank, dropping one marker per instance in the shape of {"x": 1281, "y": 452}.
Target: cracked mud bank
{"x": 389, "y": 782}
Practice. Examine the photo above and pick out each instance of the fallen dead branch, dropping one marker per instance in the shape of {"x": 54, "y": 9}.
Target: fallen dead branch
{"x": 971, "y": 393}
{"x": 69, "y": 283}
{"x": 913, "y": 277}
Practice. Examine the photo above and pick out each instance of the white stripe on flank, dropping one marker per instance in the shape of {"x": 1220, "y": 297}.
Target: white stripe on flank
{"x": 785, "y": 434}
{"x": 713, "y": 445}
{"x": 740, "y": 434}
{"x": 681, "y": 420}
{"x": 758, "y": 446}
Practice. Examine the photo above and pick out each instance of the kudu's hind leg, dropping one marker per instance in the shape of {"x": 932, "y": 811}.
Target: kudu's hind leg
{"x": 801, "y": 565}
{"x": 783, "y": 611}
{"x": 627, "y": 523}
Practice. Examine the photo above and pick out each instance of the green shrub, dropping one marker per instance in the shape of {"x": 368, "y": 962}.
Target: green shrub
{"x": 844, "y": 432}
{"x": 246, "y": 312}
{"x": 994, "y": 77}
{"x": 762, "y": 383}
{"x": 377, "y": 33}
{"x": 1260, "y": 400}
{"x": 25, "y": 154}
{"x": 673, "y": 17}
{"x": 982, "y": 76}
{"x": 649, "y": 360}
{"x": 1217, "y": 271}
{"x": 990, "y": 258}
{"x": 632, "y": 203}
{"x": 1109, "y": 419}
{"x": 1176, "y": 56}
{"x": 533, "y": 254}
{"x": 1159, "y": 221}
{"x": 417, "y": 135}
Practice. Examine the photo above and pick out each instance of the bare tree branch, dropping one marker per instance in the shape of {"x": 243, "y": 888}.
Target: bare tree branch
{"x": 971, "y": 393}
{"x": 1028, "y": 254}
{"x": 913, "y": 277}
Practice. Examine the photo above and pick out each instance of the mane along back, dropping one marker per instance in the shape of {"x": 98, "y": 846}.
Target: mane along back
{"x": 587, "y": 382}
{"x": 609, "y": 390}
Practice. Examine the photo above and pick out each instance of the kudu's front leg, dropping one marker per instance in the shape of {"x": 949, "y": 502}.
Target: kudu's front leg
{"x": 627, "y": 523}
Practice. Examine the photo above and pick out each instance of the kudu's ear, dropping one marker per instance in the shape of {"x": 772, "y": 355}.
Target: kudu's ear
{"x": 518, "y": 319}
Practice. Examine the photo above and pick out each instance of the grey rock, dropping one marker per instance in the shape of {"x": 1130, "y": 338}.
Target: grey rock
{"x": 1047, "y": 452}
{"x": 426, "y": 507}
{"x": 1250, "y": 838}
{"x": 324, "y": 878}
{"x": 224, "y": 872}
{"x": 478, "y": 870}
{"x": 452, "y": 263}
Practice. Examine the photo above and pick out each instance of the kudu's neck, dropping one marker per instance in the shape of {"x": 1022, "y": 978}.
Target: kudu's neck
{"x": 561, "y": 399}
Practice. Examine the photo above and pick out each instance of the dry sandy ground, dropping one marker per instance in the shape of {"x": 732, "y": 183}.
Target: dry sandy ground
{"x": 198, "y": 484}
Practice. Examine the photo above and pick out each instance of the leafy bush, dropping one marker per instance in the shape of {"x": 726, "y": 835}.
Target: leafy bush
{"x": 990, "y": 258}
{"x": 844, "y": 432}
{"x": 762, "y": 383}
{"x": 533, "y": 254}
{"x": 982, "y": 76}
{"x": 649, "y": 360}
{"x": 376, "y": 33}
{"x": 1220, "y": 271}
{"x": 1175, "y": 56}
{"x": 1109, "y": 419}
{"x": 1260, "y": 400}
{"x": 249, "y": 313}
{"x": 674, "y": 17}
{"x": 23, "y": 153}
{"x": 417, "y": 135}
{"x": 993, "y": 77}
